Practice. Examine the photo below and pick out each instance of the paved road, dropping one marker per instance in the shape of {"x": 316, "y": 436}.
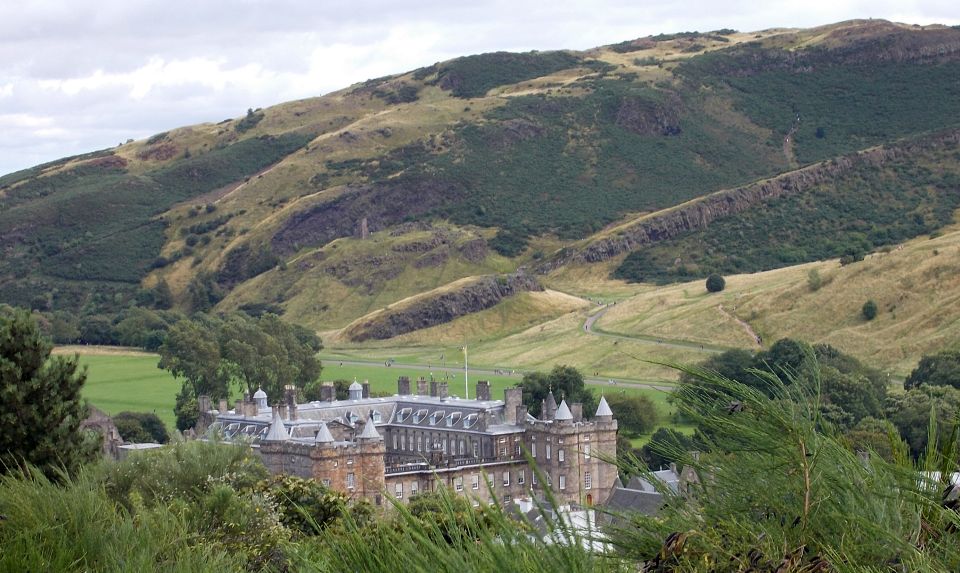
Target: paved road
{"x": 478, "y": 373}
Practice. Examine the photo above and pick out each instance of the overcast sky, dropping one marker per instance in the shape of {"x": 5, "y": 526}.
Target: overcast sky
{"x": 77, "y": 76}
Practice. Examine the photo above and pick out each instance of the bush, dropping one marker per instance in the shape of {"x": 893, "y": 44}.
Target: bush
{"x": 814, "y": 280}
{"x": 716, "y": 283}
{"x": 869, "y": 310}
{"x": 141, "y": 427}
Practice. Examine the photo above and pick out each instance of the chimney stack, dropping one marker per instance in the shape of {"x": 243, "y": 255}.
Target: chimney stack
{"x": 443, "y": 390}
{"x": 366, "y": 388}
{"x": 238, "y": 408}
{"x": 422, "y": 386}
{"x": 577, "y": 410}
{"x": 282, "y": 409}
{"x": 483, "y": 390}
{"x": 327, "y": 392}
{"x": 403, "y": 386}
{"x": 223, "y": 406}
{"x": 290, "y": 396}
{"x": 433, "y": 388}
{"x": 512, "y": 397}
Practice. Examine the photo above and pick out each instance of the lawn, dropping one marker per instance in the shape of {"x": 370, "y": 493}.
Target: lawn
{"x": 117, "y": 383}
{"x": 120, "y": 382}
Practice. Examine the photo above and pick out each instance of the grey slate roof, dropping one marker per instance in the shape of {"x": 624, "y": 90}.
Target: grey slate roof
{"x": 563, "y": 412}
{"x": 370, "y": 431}
{"x": 278, "y": 431}
{"x": 634, "y": 500}
{"x": 324, "y": 436}
{"x": 604, "y": 409}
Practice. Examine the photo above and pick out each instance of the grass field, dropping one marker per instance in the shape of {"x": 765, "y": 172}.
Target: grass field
{"x": 117, "y": 383}
{"x": 132, "y": 382}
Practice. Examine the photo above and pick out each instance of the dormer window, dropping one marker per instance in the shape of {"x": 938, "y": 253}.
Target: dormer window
{"x": 453, "y": 418}
{"x": 419, "y": 415}
{"x": 470, "y": 421}
{"x": 377, "y": 416}
{"x": 403, "y": 414}
{"x": 436, "y": 417}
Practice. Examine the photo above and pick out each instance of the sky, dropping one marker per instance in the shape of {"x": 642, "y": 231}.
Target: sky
{"x": 76, "y": 76}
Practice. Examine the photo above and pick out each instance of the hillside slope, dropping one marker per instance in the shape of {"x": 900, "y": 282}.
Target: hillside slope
{"x": 331, "y": 208}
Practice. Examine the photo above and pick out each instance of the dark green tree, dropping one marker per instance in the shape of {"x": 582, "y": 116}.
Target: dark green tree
{"x": 666, "y": 446}
{"x": 635, "y": 414}
{"x": 40, "y": 405}
{"x": 941, "y": 369}
{"x": 716, "y": 283}
{"x": 869, "y": 310}
{"x": 566, "y": 383}
{"x": 140, "y": 427}
{"x": 910, "y": 412}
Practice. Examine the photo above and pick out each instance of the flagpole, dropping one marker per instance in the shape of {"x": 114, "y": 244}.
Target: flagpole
{"x": 466, "y": 382}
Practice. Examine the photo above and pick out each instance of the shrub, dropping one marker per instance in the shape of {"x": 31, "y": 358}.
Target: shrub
{"x": 141, "y": 427}
{"x": 869, "y": 310}
{"x": 814, "y": 280}
{"x": 716, "y": 283}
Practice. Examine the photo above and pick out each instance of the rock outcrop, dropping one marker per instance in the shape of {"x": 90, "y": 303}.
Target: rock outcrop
{"x": 431, "y": 310}
{"x": 700, "y": 212}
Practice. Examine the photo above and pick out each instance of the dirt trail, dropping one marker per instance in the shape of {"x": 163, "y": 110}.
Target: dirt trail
{"x": 788, "y": 153}
{"x": 746, "y": 326}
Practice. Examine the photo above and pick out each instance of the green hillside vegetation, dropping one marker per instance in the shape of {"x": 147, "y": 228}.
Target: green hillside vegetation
{"x": 850, "y": 216}
{"x": 515, "y": 157}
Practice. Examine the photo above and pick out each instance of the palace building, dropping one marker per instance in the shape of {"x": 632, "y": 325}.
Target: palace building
{"x": 421, "y": 438}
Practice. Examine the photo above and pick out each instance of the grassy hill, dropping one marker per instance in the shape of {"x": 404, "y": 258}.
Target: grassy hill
{"x": 334, "y": 208}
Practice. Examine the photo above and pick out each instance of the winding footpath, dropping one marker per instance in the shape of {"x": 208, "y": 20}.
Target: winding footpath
{"x": 588, "y": 327}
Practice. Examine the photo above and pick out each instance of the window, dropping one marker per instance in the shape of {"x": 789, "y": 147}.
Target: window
{"x": 403, "y": 441}
{"x": 443, "y": 445}
{"x": 563, "y": 483}
{"x": 349, "y": 461}
{"x": 436, "y": 417}
{"x": 506, "y": 479}
{"x": 396, "y": 441}
{"x": 518, "y": 449}
{"x": 586, "y": 451}
{"x": 560, "y": 441}
{"x": 548, "y": 451}
{"x": 325, "y": 482}
{"x": 351, "y": 480}
{"x": 587, "y": 481}
{"x": 533, "y": 477}
{"x": 377, "y": 416}
{"x": 560, "y": 454}
{"x": 521, "y": 478}
{"x": 458, "y": 483}
{"x": 507, "y": 498}
{"x": 403, "y": 414}
{"x": 398, "y": 490}
{"x": 533, "y": 449}
{"x": 476, "y": 449}
{"x": 419, "y": 415}
{"x": 476, "y": 502}
{"x": 475, "y": 481}
{"x": 503, "y": 451}
{"x": 414, "y": 488}
{"x": 419, "y": 442}
{"x": 469, "y": 421}
{"x": 453, "y": 418}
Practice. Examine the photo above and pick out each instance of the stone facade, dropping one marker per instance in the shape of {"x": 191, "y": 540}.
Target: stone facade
{"x": 412, "y": 443}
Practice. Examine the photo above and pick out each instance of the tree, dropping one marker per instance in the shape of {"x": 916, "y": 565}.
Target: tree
{"x": 40, "y": 405}
{"x": 666, "y": 446}
{"x": 941, "y": 369}
{"x": 140, "y": 427}
{"x": 566, "y": 383}
{"x": 869, "y": 310}
{"x": 716, "y": 283}
{"x": 635, "y": 414}
{"x": 910, "y": 413}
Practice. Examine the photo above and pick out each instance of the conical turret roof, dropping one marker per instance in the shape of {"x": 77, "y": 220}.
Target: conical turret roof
{"x": 260, "y": 394}
{"x": 278, "y": 431}
{"x": 369, "y": 430}
{"x": 604, "y": 409}
{"x": 563, "y": 412}
{"x": 324, "y": 436}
